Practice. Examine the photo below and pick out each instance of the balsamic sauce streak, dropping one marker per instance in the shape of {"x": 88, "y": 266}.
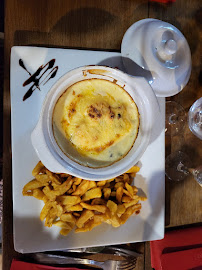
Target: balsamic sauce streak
{"x": 36, "y": 79}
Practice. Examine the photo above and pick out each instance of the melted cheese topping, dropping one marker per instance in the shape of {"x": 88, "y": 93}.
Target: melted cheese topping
{"x": 95, "y": 122}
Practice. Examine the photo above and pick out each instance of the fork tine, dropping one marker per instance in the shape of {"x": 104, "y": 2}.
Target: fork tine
{"x": 129, "y": 265}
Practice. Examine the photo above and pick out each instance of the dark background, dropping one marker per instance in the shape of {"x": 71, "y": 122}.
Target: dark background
{"x": 1, "y": 83}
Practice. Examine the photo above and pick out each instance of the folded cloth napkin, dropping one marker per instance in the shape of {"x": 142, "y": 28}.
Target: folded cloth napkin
{"x": 19, "y": 265}
{"x": 180, "y": 249}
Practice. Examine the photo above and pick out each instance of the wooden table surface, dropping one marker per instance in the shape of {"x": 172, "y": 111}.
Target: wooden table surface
{"x": 101, "y": 25}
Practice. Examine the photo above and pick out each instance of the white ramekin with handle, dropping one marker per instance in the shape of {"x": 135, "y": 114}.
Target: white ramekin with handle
{"x": 48, "y": 150}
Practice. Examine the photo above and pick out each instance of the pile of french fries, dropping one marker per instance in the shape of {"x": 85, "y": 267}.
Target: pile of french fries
{"x": 71, "y": 202}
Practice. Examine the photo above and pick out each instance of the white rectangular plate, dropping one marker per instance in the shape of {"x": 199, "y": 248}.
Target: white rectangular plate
{"x": 30, "y": 235}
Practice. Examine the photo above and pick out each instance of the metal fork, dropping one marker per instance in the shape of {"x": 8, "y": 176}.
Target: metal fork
{"x": 106, "y": 265}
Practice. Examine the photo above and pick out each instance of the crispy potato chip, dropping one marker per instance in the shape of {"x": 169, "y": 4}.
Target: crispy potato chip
{"x": 85, "y": 216}
{"x": 92, "y": 194}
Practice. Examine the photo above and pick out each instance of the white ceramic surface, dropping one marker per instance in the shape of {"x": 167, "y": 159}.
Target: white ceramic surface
{"x": 52, "y": 156}
{"x": 161, "y": 49}
{"x": 30, "y": 235}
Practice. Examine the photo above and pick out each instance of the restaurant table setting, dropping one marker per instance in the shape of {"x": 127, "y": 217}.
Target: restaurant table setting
{"x": 125, "y": 193}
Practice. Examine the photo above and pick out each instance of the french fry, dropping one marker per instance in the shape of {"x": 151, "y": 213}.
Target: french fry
{"x": 119, "y": 184}
{"x": 85, "y": 216}
{"x": 131, "y": 203}
{"x": 65, "y": 232}
{"x": 126, "y": 192}
{"x": 120, "y": 209}
{"x": 92, "y": 184}
{"x": 107, "y": 192}
{"x": 101, "y": 183}
{"x": 68, "y": 217}
{"x": 76, "y": 207}
{"x": 134, "y": 169}
{"x": 38, "y": 194}
{"x": 98, "y": 208}
{"x": 92, "y": 194}
{"x": 74, "y": 202}
{"x": 30, "y": 186}
{"x": 126, "y": 199}
{"x": 129, "y": 189}
{"x": 38, "y": 168}
{"x": 119, "y": 194}
{"x": 43, "y": 179}
{"x": 98, "y": 201}
{"x": 63, "y": 224}
{"x": 82, "y": 188}
{"x": 45, "y": 210}
{"x": 115, "y": 221}
{"x": 53, "y": 177}
{"x": 77, "y": 181}
{"x": 69, "y": 200}
{"x": 112, "y": 206}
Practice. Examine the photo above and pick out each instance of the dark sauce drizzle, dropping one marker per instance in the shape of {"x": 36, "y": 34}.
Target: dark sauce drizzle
{"x": 41, "y": 76}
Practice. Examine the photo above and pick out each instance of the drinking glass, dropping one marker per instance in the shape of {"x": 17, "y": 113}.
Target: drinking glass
{"x": 195, "y": 118}
{"x": 178, "y": 167}
{"x": 175, "y": 118}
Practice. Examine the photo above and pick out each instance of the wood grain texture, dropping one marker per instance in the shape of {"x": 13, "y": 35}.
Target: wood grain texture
{"x": 186, "y": 197}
